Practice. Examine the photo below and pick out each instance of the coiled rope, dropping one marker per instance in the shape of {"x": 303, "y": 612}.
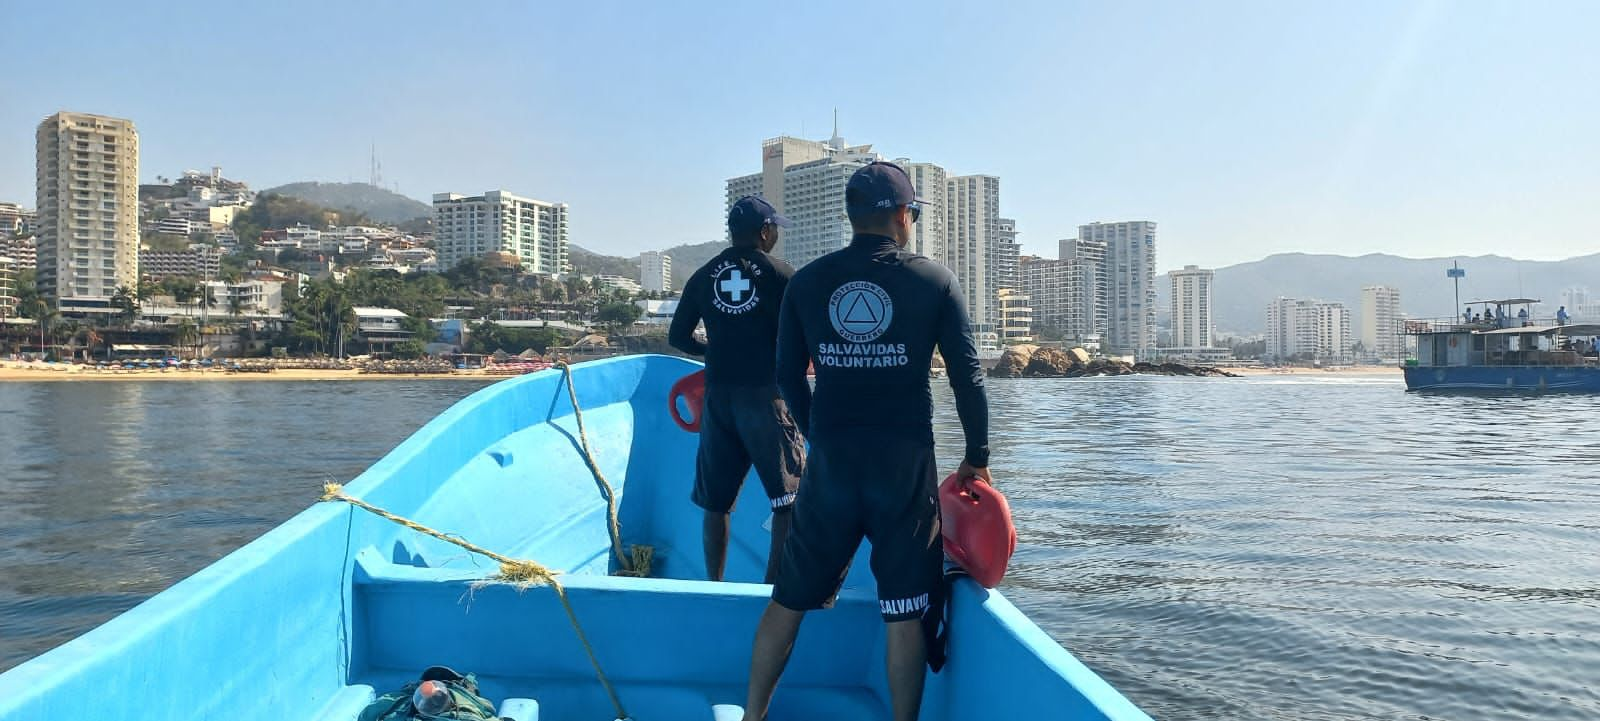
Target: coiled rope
{"x": 638, "y": 560}
{"x": 521, "y": 573}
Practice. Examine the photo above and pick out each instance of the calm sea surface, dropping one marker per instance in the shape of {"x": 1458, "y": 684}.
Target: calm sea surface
{"x": 1268, "y": 548}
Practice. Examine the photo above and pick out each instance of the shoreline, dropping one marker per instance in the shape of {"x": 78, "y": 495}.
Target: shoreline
{"x": 21, "y": 372}
{"x": 1380, "y": 370}
{"x": 12, "y": 371}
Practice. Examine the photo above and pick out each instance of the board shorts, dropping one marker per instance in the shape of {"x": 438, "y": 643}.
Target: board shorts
{"x": 744, "y": 426}
{"x": 881, "y": 489}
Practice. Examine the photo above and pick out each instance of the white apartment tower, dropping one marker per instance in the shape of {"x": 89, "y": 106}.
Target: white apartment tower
{"x": 8, "y": 288}
{"x": 972, "y": 226}
{"x": 1289, "y": 328}
{"x": 1046, "y": 282}
{"x": 1003, "y": 254}
{"x": 804, "y": 180}
{"x": 1380, "y": 320}
{"x": 1088, "y": 295}
{"x": 471, "y": 227}
{"x": 1332, "y": 323}
{"x": 10, "y": 219}
{"x": 1192, "y": 326}
{"x": 1130, "y": 272}
{"x": 1016, "y": 316}
{"x": 932, "y": 185}
{"x": 87, "y": 182}
{"x": 1307, "y": 328}
{"x": 655, "y": 271}
{"x": 814, "y": 204}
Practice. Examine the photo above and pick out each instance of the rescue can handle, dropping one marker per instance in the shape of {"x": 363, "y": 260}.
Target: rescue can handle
{"x": 692, "y": 389}
{"x": 977, "y": 529}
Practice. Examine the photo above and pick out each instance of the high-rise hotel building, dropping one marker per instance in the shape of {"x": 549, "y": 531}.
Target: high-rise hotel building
{"x": 87, "y": 184}
{"x": 474, "y": 226}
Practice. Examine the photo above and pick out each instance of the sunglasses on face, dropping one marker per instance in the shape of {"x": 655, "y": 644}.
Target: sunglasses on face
{"x": 916, "y": 212}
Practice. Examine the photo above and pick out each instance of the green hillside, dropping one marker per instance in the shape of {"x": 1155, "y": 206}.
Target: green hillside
{"x": 376, "y": 203}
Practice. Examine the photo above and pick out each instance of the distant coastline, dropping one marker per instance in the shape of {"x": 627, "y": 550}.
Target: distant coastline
{"x": 1378, "y": 370}
{"x": 11, "y": 371}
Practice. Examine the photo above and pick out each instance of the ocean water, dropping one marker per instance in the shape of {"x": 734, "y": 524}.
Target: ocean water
{"x": 1280, "y": 547}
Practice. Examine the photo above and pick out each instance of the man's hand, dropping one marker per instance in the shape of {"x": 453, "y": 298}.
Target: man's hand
{"x": 966, "y": 473}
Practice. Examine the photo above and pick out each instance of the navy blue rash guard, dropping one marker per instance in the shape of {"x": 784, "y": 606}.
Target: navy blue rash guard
{"x": 737, "y": 293}
{"x": 868, "y": 317}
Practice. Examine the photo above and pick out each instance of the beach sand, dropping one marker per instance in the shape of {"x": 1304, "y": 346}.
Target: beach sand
{"x": 1381, "y": 370}
{"x": 10, "y": 371}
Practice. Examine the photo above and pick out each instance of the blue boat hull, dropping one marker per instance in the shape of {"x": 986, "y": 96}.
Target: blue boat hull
{"x": 1524, "y": 379}
{"x": 319, "y": 614}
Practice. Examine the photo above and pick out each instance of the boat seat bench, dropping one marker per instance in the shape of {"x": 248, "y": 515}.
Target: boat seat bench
{"x": 655, "y": 638}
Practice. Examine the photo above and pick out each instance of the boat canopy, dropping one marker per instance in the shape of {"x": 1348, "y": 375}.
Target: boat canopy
{"x": 1579, "y": 329}
{"x": 1508, "y": 301}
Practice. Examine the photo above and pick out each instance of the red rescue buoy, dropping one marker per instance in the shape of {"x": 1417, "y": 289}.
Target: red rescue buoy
{"x": 977, "y": 529}
{"x": 692, "y": 388}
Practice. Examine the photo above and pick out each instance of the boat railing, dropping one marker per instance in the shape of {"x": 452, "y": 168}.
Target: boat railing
{"x": 1428, "y": 326}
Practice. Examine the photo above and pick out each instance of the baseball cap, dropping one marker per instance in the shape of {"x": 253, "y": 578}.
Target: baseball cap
{"x": 880, "y": 186}
{"x": 750, "y": 213}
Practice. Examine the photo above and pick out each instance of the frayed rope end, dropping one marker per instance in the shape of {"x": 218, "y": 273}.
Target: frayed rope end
{"x": 525, "y": 573}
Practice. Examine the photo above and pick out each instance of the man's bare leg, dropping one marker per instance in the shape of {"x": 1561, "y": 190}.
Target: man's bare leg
{"x": 908, "y": 663}
{"x": 780, "y": 531}
{"x": 774, "y": 641}
{"x": 714, "y": 533}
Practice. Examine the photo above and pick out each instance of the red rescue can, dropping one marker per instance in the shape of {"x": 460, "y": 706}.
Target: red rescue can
{"x": 692, "y": 389}
{"x": 977, "y": 530}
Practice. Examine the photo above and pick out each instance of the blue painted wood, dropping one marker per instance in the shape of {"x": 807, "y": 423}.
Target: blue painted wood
{"x": 307, "y": 620}
{"x": 1520, "y": 379}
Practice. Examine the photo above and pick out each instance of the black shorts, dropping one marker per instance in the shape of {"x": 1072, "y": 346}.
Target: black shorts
{"x": 741, "y": 426}
{"x": 883, "y": 489}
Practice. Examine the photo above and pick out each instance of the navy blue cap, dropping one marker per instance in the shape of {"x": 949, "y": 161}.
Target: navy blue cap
{"x": 751, "y": 213}
{"x": 880, "y": 186}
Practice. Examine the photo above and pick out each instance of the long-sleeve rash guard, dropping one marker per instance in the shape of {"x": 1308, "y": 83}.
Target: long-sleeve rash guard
{"x": 868, "y": 318}
{"x": 737, "y": 294}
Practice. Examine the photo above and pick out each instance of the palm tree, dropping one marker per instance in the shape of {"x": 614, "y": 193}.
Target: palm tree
{"x": 206, "y": 301}
{"x": 185, "y": 334}
{"x": 236, "y": 309}
{"x": 91, "y": 338}
{"x": 127, "y": 301}
{"x": 43, "y": 314}
{"x": 67, "y": 332}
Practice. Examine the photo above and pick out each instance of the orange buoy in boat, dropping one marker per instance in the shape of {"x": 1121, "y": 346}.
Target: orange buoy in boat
{"x": 692, "y": 389}
{"x": 977, "y": 529}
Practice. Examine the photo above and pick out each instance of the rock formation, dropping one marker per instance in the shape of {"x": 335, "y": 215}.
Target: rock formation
{"x": 1013, "y": 361}
{"x": 1029, "y": 361}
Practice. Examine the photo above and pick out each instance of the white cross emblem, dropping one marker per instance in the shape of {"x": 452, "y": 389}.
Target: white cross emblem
{"x": 735, "y": 286}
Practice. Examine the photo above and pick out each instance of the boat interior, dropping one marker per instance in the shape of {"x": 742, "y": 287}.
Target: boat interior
{"x": 337, "y": 605}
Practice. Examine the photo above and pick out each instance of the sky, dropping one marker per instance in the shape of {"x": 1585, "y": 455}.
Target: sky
{"x": 1244, "y": 129}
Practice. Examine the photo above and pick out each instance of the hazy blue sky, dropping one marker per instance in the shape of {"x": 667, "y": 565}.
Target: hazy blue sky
{"x": 1243, "y": 128}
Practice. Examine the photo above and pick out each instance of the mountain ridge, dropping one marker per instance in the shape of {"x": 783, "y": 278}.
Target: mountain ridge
{"x": 686, "y": 258}
{"x": 379, "y": 204}
{"x": 1241, "y": 291}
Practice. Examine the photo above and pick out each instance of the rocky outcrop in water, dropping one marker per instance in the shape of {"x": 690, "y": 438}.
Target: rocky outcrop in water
{"x": 1049, "y": 363}
{"x": 1028, "y": 361}
{"x": 1013, "y": 361}
{"x": 1179, "y": 369}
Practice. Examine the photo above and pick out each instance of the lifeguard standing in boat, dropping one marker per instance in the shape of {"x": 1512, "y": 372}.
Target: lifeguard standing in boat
{"x": 868, "y": 317}
{"x": 743, "y": 421}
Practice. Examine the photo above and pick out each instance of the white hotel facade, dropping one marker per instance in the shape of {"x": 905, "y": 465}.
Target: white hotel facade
{"x": 497, "y": 221}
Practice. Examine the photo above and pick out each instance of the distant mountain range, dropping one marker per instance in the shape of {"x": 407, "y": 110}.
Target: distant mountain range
{"x": 685, "y": 260}
{"x": 378, "y": 204}
{"x": 1242, "y": 291}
